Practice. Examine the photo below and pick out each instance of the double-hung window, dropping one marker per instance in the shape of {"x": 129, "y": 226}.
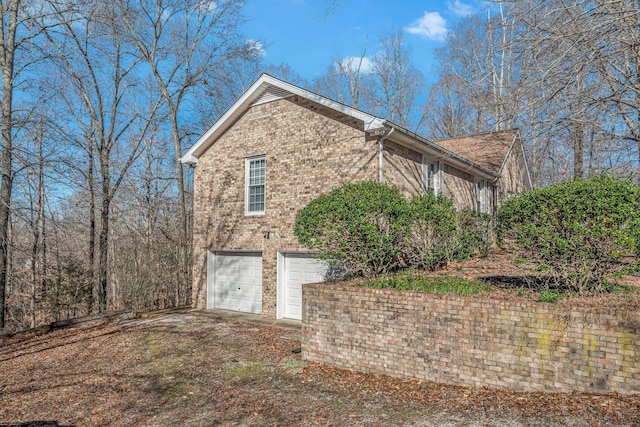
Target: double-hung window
{"x": 255, "y": 179}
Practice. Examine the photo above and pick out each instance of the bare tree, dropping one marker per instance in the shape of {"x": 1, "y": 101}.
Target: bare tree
{"x": 17, "y": 39}
{"x": 598, "y": 39}
{"x": 386, "y": 84}
{"x": 479, "y": 58}
{"x": 345, "y": 79}
{"x": 183, "y": 43}
{"x": 285, "y": 72}
{"x": 10, "y": 18}
{"x": 395, "y": 82}
{"x": 98, "y": 64}
{"x": 447, "y": 112}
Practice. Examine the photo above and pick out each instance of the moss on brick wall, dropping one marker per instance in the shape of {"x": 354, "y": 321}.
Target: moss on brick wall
{"x": 472, "y": 341}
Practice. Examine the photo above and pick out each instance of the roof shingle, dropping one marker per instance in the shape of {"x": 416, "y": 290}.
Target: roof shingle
{"x": 487, "y": 150}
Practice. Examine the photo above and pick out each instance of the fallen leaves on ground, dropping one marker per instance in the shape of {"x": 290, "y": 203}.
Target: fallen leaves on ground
{"x": 187, "y": 369}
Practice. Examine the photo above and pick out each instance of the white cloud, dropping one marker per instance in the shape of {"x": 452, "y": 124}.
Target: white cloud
{"x": 212, "y": 6}
{"x": 431, "y": 26}
{"x": 207, "y": 6}
{"x": 458, "y": 8}
{"x": 352, "y": 63}
{"x": 254, "y": 47}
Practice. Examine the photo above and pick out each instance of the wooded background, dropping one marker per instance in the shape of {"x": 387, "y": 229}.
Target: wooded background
{"x": 99, "y": 100}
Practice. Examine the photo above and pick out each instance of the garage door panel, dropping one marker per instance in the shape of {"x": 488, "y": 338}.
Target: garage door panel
{"x": 237, "y": 281}
{"x": 309, "y": 277}
{"x": 299, "y": 269}
{"x": 293, "y": 275}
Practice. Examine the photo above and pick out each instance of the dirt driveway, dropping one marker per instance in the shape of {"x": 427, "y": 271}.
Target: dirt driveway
{"x": 194, "y": 370}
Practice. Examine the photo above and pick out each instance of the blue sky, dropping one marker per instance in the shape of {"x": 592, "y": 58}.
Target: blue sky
{"x": 302, "y": 34}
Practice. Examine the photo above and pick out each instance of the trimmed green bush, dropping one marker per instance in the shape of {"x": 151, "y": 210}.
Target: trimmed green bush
{"x": 360, "y": 227}
{"x": 370, "y": 229}
{"x": 474, "y": 235}
{"x": 581, "y": 230}
{"x": 433, "y": 230}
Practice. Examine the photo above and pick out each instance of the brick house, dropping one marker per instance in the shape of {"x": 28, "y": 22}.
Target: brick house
{"x": 278, "y": 147}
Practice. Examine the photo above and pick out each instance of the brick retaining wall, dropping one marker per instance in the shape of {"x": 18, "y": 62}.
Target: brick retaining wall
{"x": 472, "y": 341}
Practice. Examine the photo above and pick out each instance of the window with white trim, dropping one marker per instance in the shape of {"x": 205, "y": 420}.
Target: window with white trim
{"x": 429, "y": 176}
{"x": 255, "y": 180}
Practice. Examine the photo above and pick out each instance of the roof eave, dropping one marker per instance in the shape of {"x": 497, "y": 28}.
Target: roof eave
{"x": 504, "y": 161}
{"x": 189, "y": 159}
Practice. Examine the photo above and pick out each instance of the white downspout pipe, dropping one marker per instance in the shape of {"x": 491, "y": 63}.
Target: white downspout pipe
{"x": 381, "y": 155}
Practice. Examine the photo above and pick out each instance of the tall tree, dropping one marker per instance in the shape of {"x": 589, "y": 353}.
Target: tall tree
{"x": 447, "y": 112}
{"x": 386, "y": 84}
{"x": 600, "y": 40}
{"x": 395, "y": 82}
{"x": 100, "y": 67}
{"x": 345, "y": 79}
{"x": 184, "y": 44}
{"x": 17, "y": 37}
{"x": 479, "y": 59}
{"x": 8, "y": 46}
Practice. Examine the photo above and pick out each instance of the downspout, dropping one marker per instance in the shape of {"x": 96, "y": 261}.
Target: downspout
{"x": 381, "y": 155}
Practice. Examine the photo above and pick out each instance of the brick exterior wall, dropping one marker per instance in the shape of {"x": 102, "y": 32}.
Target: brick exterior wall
{"x": 471, "y": 341}
{"x": 402, "y": 167}
{"x": 309, "y": 150}
{"x": 459, "y": 186}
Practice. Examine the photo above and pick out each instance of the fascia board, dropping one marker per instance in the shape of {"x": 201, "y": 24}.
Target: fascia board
{"x": 251, "y": 94}
{"x": 504, "y": 161}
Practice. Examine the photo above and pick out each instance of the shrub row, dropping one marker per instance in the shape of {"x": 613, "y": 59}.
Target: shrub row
{"x": 370, "y": 229}
{"x": 580, "y": 231}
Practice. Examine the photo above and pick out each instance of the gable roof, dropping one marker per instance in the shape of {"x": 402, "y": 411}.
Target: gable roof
{"x": 265, "y": 89}
{"x": 472, "y": 152}
{"x": 488, "y": 150}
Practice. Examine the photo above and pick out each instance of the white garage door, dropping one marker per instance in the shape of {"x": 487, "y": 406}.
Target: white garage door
{"x": 298, "y": 270}
{"x": 237, "y": 281}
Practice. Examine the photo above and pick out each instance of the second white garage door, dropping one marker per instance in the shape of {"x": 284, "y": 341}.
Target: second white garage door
{"x": 298, "y": 270}
{"x": 236, "y": 282}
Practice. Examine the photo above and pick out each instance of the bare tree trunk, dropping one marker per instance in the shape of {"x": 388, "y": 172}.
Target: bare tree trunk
{"x": 577, "y": 135}
{"x": 91, "y": 258}
{"x": 42, "y": 238}
{"x": 38, "y": 251}
{"x": 7, "y": 54}
{"x": 103, "y": 240}
{"x": 184, "y": 246}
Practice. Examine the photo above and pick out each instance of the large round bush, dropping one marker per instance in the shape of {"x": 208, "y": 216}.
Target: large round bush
{"x": 581, "y": 230}
{"x": 362, "y": 227}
